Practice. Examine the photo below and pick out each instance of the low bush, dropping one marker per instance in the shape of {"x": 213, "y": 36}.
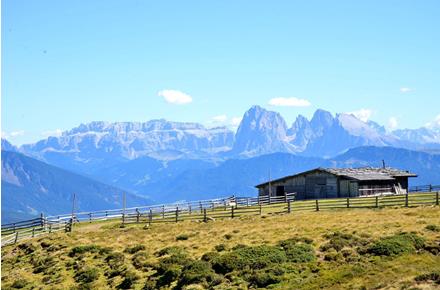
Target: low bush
{"x": 168, "y": 274}
{"x": 170, "y": 250}
{"x": 87, "y": 275}
{"x": 433, "y": 228}
{"x": 196, "y": 272}
{"x": 182, "y": 237}
{"x": 337, "y": 241}
{"x": 129, "y": 279}
{"x": 220, "y": 247}
{"x": 429, "y": 277}
{"x": 134, "y": 249}
{"x": 150, "y": 284}
{"x": 396, "y": 245}
{"x": 115, "y": 262}
{"x": 262, "y": 279}
{"x": 298, "y": 252}
{"x": 42, "y": 264}
{"x": 432, "y": 247}
{"x": 19, "y": 284}
{"x": 210, "y": 256}
{"x": 139, "y": 260}
{"x": 257, "y": 257}
{"x": 78, "y": 250}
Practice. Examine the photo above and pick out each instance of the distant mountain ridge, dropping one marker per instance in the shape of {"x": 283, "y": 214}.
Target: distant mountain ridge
{"x": 97, "y": 145}
{"x": 30, "y": 187}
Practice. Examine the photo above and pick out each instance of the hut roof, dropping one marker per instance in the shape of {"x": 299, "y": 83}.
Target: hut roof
{"x": 360, "y": 174}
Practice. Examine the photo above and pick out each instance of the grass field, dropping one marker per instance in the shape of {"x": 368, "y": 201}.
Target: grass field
{"x": 390, "y": 248}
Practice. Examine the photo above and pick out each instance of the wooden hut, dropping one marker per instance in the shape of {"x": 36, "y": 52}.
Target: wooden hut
{"x": 339, "y": 182}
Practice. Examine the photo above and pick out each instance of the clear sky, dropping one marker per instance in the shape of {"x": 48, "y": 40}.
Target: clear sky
{"x": 71, "y": 62}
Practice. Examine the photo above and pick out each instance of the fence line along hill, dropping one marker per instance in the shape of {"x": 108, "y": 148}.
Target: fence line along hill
{"x": 204, "y": 210}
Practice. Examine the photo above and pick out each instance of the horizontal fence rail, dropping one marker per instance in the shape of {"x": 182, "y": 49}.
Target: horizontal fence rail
{"x": 205, "y": 210}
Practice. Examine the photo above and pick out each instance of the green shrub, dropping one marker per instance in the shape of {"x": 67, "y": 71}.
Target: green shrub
{"x": 220, "y": 247}
{"x": 150, "y": 284}
{"x": 432, "y": 247}
{"x": 134, "y": 249}
{"x": 428, "y": 277}
{"x": 396, "y": 245}
{"x": 170, "y": 250}
{"x": 210, "y": 256}
{"x": 262, "y": 279}
{"x": 182, "y": 237}
{"x": 129, "y": 279}
{"x": 20, "y": 283}
{"x": 196, "y": 272}
{"x": 84, "y": 249}
{"x": 298, "y": 252}
{"x": 115, "y": 261}
{"x": 87, "y": 275}
{"x": 139, "y": 260}
{"x": 333, "y": 256}
{"x": 42, "y": 264}
{"x": 337, "y": 241}
{"x": 433, "y": 228}
{"x": 168, "y": 274}
{"x": 257, "y": 257}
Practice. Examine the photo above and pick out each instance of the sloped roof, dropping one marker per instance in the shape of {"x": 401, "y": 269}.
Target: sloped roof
{"x": 362, "y": 173}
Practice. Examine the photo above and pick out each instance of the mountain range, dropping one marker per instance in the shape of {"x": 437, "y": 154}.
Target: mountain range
{"x": 166, "y": 161}
{"x": 31, "y": 187}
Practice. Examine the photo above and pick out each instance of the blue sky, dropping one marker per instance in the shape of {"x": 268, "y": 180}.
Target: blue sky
{"x": 70, "y": 62}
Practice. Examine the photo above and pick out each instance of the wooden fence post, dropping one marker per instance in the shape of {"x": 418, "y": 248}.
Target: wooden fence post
{"x": 189, "y": 208}
{"x": 289, "y": 206}
{"x": 377, "y": 201}
{"x": 348, "y": 202}
{"x": 269, "y": 199}
{"x": 285, "y": 196}
{"x": 106, "y": 213}
{"x": 16, "y": 237}
{"x": 406, "y": 199}
{"x": 258, "y": 199}
{"x": 50, "y": 228}
{"x": 317, "y": 205}
{"x": 137, "y": 215}
{"x": 33, "y": 232}
{"x": 90, "y": 217}
{"x": 201, "y": 207}
{"x": 430, "y": 187}
{"x": 163, "y": 211}
{"x": 177, "y": 214}
{"x": 437, "y": 198}
{"x": 150, "y": 217}
{"x": 205, "y": 219}
{"x": 247, "y": 201}
{"x": 226, "y": 205}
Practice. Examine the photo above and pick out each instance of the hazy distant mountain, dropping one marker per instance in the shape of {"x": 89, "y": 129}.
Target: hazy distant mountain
{"x": 239, "y": 176}
{"x": 30, "y": 187}
{"x": 97, "y": 145}
{"x": 8, "y": 146}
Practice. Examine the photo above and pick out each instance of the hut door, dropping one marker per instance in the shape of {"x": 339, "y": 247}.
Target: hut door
{"x": 280, "y": 190}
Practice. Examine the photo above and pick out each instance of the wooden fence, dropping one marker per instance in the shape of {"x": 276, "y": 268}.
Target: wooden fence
{"x": 231, "y": 207}
{"x": 14, "y": 232}
{"x": 240, "y": 206}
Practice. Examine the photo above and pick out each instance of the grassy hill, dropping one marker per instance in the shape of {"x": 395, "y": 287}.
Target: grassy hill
{"x": 392, "y": 248}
